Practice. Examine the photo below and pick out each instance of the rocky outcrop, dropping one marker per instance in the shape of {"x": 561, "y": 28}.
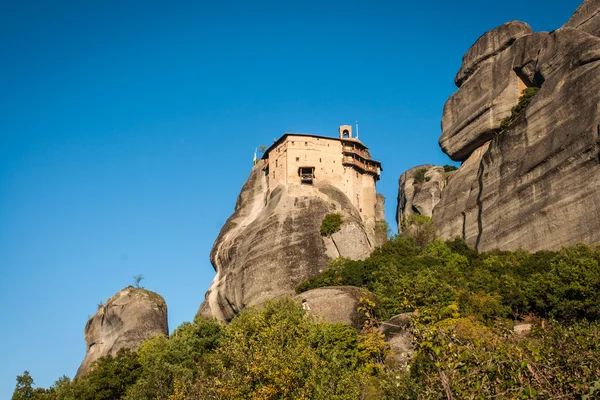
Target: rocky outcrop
{"x": 473, "y": 114}
{"x": 489, "y": 45}
{"x": 536, "y": 183}
{"x": 126, "y": 320}
{"x": 272, "y": 243}
{"x": 419, "y": 196}
{"x": 586, "y": 18}
{"x": 335, "y": 304}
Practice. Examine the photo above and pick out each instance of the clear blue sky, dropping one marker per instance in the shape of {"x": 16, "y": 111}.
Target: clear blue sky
{"x": 128, "y": 127}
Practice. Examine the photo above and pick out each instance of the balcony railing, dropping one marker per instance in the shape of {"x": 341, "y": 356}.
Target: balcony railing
{"x": 367, "y": 167}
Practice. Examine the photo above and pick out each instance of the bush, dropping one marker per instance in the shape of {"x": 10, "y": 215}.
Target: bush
{"x": 419, "y": 175}
{"x": 331, "y": 224}
{"x": 449, "y": 168}
{"x": 524, "y": 101}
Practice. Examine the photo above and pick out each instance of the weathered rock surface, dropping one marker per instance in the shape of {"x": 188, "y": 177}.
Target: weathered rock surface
{"x": 473, "y": 114}
{"x": 456, "y": 215}
{"x": 537, "y": 184}
{"x": 586, "y": 18}
{"x": 419, "y": 198}
{"x": 397, "y": 333}
{"x": 126, "y": 320}
{"x": 272, "y": 243}
{"x": 335, "y": 304}
{"x": 488, "y": 45}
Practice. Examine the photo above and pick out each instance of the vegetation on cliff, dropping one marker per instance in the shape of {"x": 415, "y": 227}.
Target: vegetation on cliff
{"x": 465, "y": 305}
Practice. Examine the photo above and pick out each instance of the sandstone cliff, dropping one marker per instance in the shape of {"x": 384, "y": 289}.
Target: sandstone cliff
{"x": 127, "y": 319}
{"x": 536, "y": 183}
{"x": 272, "y": 242}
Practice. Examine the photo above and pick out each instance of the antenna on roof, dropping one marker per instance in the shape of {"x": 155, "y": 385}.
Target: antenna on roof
{"x": 357, "y": 129}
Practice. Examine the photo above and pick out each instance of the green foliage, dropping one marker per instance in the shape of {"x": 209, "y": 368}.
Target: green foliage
{"x": 524, "y": 101}
{"x": 449, "y": 168}
{"x": 419, "y": 176}
{"x": 278, "y": 352}
{"x": 419, "y": 227}
{"x": 24, "y": 387}
{"x": 331, "y": 224}
{"x": 465, "y": 305}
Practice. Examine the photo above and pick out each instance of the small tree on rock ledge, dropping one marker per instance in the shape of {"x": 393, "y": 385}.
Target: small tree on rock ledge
{"x": 331, "y": 224}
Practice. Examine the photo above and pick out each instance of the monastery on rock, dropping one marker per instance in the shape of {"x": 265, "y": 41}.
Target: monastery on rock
{"x": 297, "y": 159}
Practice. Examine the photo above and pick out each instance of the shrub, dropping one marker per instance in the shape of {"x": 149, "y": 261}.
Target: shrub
{"x": 449, "y": 168}
{"x": 331, "y": 224}
{"x": 524, "y": 101}
{"x": 419, "y": 176}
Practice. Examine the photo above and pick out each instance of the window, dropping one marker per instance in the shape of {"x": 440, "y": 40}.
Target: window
{"x": 306, "y": 143}
{"x": 297, "y": 159}
{"x": 276, "y": 162}
{"x": 319, "y": 160}
{"x": 307, "y": 174}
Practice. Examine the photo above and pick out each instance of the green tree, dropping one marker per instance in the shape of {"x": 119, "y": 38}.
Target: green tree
{"x": 331, "y": 224}
{"x": 24, "y": 388}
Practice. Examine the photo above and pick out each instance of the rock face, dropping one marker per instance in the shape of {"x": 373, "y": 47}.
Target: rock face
{"x": 127, "y": 319}
{"x": 272, "y": 243}
{"x": 335, "y": 304}
{"x": 419, "y": 197}
{"x": 397, "y": 334}
{"x": 586, "y": 18}
{"x": 536, "y": 184}
{"x": 489, "y": 45}
{"x": 473, "y": 114}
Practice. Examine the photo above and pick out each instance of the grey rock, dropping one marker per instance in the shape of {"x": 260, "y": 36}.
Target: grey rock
{"x": 537, "y": 185}
{"x": 416, "y": 198}
{"x": 126, "y": 320}
{"x": 456, "y": 215}
{"x": 522, "y": 329}
{"x": 489, "y": 45}
{"x": 272, "y": 243}
{"x": 335, "y": 304}
{"x": 586, "y": 18}
{"x": 397, "y": 334}
{"x": 472, "y": 115}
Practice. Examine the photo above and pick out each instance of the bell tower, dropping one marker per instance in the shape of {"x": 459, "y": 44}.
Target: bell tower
{"x": 345, "y": 132}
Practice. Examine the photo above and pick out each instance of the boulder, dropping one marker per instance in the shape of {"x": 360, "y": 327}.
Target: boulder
{"x": 335, "y": 304}
{"x": 489, "y": 45}
{"x": 126, "y": 320}
{"x": 586, "y": 18}
{"x": 272, "y": 243}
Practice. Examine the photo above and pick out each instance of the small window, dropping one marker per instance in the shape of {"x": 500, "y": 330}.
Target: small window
{"x": 276, "y": 162}
{"x": 306, "y": 143}
{"x": 292, "y": 143}
{"x": 307, "y": 174}
{"x": 297, "y": 159}
{"x": 319, "y": 160}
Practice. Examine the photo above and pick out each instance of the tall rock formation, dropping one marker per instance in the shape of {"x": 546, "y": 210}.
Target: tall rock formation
{"x": 536, "y": 183}
{"x": 420, "y": 190}
{"x": 272, "y": 242}
{"x": 586, "y": 18}
{"x": 126, "y": 320}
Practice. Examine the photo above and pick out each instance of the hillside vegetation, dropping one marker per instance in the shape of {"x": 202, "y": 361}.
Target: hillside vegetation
{"x": 465, "y": 305}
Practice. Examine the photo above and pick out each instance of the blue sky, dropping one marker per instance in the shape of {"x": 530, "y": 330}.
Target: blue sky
{"x": 127, "y": 129}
